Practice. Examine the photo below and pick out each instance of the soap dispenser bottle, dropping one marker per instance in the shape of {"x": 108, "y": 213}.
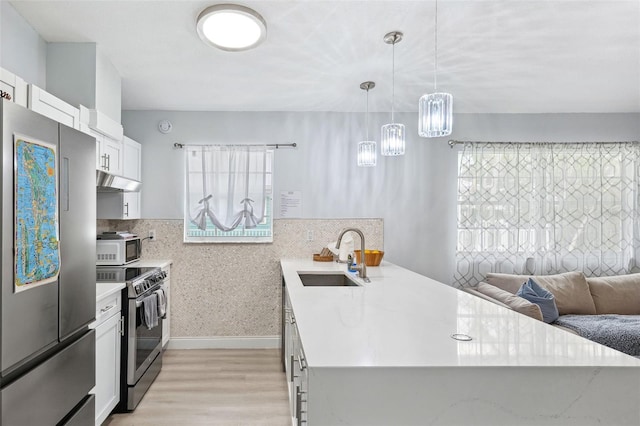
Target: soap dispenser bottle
{"x": 352, "y": 266}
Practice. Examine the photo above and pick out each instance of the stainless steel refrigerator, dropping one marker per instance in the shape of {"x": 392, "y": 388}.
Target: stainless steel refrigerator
{"x": 48, "y": 213}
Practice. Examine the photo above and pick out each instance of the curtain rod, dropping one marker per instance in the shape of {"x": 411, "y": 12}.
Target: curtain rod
{"x": 276, "y": 145}
{"x": 454, "y": 142}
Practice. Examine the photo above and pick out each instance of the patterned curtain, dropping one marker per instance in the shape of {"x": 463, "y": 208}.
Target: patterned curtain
{"x": 545, "y": 208}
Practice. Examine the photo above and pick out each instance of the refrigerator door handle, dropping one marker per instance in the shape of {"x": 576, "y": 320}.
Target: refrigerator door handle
{"x": 64, "y": 184}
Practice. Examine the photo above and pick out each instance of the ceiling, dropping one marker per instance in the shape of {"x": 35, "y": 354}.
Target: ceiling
{"x": 495, "y": 56}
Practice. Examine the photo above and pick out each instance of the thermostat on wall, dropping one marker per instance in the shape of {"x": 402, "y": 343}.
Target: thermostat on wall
{"x": 165, "y": 126}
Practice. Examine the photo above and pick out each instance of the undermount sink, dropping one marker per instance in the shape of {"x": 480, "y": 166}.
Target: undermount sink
{"x": 336, "y": 279}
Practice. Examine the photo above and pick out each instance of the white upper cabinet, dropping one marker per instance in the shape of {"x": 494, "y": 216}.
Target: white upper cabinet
{"x": 132, "y": 159}
{"x": 13, "y": 87}
{"x": 109, "y": 155}
{"x": 118, "y": 205}
{"x": 50, "y": 106}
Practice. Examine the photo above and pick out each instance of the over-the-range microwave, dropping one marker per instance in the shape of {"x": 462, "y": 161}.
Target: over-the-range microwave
{"x": 117, "y": 248}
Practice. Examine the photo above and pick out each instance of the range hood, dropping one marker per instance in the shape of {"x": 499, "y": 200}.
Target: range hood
{"x": 106, "y": 182}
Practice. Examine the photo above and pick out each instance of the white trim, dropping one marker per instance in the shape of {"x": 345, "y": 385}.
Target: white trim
{"x": 225, "y": 342}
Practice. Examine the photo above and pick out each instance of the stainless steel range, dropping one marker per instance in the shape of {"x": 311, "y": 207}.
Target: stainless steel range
{"x": 141, "y": 358}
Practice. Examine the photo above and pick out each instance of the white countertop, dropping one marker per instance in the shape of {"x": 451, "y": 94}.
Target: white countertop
{"x": 403, "y": 319}
{"x": 107, "y": 289}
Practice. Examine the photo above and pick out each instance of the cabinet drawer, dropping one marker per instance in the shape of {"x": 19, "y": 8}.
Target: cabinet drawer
{"x": 108, "y": 307}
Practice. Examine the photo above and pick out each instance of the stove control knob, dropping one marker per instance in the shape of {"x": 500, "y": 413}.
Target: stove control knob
{"x": 137, "y": 288}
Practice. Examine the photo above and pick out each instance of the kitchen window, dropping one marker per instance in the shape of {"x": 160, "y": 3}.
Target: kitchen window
{"x": 229, "y": 194}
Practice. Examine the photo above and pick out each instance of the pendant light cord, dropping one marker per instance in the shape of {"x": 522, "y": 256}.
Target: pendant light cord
{"x": 393, "y": 78}
{"x": 435, "y": 65}
{"x": 366, "y": 120}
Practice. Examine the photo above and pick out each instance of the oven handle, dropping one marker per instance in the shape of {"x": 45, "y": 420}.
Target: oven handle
{"x": 139, "y": 302}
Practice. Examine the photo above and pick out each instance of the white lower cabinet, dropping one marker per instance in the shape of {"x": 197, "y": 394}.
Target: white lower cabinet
{"x": 166, "y": 323}
{"x": 108, "y": 328}
{"x": 118, "y": 205}
{"x": 295, "y": 364}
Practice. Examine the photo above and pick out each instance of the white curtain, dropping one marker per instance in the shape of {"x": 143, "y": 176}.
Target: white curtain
{"x": 226, "y": 185}
{"x": 544, "y": 208}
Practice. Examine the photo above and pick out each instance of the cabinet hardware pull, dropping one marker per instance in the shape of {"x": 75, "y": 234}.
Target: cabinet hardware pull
{"x": 108, "y": 161}
{"x": 107, "y": 308}
{"x": 121, "y": 325}
{"x": 291, "y": 369}
{"x": 126, "y": 212}
{"x": 300, "y": 360}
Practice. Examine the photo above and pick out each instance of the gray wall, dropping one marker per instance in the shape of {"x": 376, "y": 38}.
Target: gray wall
{"x": 81, "y": 74}
{"x": 414, "y": 194}
{"x": 22, "y": 50}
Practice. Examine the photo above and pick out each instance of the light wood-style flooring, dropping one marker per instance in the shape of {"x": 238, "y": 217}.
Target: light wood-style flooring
{"x": 214, "y": 387}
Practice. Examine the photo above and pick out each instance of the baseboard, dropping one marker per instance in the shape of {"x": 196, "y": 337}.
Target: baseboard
{"x": 225, "y": 342}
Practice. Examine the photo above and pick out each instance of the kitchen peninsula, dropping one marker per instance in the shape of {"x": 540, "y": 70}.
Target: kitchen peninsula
{"x": 382, "y": 353}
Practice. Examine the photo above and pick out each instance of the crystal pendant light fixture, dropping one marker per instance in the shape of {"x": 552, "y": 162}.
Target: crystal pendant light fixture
{"x": 392, "y": 134}
{"x": 367, "y": 154}
{"x": 435, "y": 110}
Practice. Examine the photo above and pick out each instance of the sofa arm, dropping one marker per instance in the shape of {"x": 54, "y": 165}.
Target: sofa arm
{"x": 506, "y": 299}
{"x": 475, "y": 292}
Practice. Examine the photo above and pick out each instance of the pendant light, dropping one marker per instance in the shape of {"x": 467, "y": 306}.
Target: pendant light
{"x": 367, "y": 154}
{"x": 392, "y": 137}
{"x": 435, "y": 110}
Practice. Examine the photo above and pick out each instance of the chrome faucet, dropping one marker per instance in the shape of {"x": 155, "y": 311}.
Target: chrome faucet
{"x": 362, "y": 268}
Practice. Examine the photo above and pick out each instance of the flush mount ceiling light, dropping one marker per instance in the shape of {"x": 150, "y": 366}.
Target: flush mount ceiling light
{"x": 435, "y": 110}
{"x": 231, "y": 27}
{"x": 392, "y": 134}
{"x": 367, "y": 154}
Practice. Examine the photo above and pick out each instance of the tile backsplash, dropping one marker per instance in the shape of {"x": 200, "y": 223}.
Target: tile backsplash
{"x": 234, "y": 289}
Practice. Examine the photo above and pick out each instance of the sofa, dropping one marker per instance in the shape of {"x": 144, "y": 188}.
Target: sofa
{"x": 603, "y": 309}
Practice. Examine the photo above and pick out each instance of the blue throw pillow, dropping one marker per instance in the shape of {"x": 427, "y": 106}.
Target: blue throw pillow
{"x": 532, "y": 292}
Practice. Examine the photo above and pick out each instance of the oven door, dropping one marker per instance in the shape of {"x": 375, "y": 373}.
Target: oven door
{"x": 143, "y": 344}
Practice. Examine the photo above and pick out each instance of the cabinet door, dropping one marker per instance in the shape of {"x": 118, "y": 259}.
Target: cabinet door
{"x": 107, "y": 389}
{"x": 118, "y": 205}
{"x": 13, "y": 86}
{"x": 112, "y": 153}
{"x": 166, "y": 323}
{"x": 132, "y": 159}
{"x": 299, "y": 384}
{"x": 131, "y": 205}
{"x": 101, "y": 161}
{"x": 56, "y": 109}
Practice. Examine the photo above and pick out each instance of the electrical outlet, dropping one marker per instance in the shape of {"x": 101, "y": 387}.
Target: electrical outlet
{"x": 152, "y": 235}
{"x": 309, "y": 235}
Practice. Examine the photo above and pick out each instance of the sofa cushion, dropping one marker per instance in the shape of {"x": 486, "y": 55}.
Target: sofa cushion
{"x": 570, "y": 289}
{"x": 619, "y": 294}
{"x": 532, "y": 292}
{"x": 507, "y": 282}
{"x": 512, "y": 301}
